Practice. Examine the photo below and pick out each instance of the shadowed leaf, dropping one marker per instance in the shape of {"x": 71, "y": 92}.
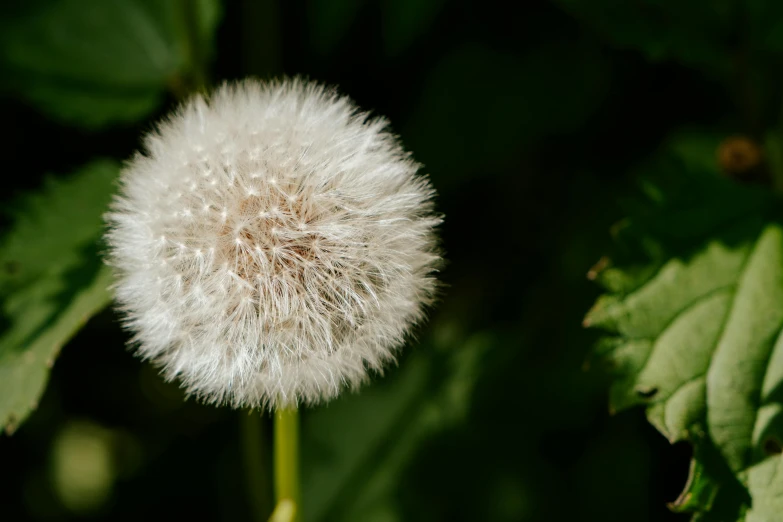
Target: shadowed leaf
{"x": 91, "y": 62}
{"x": 51, "y": 281}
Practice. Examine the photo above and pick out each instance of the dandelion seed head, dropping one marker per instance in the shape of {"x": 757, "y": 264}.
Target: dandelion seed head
{"x": 272, "y": 244}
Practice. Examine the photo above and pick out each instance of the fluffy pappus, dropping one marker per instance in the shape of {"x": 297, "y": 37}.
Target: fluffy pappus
{"x": 271, "y": 245}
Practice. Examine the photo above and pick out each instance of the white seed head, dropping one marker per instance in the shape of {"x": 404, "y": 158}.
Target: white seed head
{"x": 272, "y": 244}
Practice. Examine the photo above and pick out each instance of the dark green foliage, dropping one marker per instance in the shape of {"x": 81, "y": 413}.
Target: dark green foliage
{"x": 532, "y": 129}
{"x": 52, "y": 281}
{"x": 91, "y": 62}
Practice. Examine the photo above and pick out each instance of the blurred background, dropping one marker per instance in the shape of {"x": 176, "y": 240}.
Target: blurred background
{"x": 530, "y": 122}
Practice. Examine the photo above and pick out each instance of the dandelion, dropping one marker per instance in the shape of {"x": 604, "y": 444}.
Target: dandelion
{"x": 272, "y": 245}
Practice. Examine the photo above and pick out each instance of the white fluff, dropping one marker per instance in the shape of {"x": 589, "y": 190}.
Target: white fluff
{"x": 272, "y": 245}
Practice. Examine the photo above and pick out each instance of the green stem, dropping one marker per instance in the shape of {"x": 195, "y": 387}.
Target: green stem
{"x": 287, "y": 459}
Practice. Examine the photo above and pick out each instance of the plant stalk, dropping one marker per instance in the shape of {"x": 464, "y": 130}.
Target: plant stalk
{"x": 287, "y": 460}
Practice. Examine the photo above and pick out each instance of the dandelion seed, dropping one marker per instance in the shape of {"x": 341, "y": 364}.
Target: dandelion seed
{"x": 292, "y": 289}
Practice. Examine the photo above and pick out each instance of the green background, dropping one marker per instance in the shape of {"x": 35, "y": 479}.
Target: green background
{"x": 531, "y": 122}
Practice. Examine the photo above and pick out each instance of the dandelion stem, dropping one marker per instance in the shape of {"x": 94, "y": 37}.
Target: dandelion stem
{"x": 287, "y": 460}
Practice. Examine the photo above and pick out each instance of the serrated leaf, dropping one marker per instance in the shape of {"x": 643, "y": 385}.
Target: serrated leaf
{"x": 91, "y": 62}
{"x": 357, "y": 447}
{"x": 697, "y": 337}
{"x": 51, "y": 281}
{"x": 699, "y": 492}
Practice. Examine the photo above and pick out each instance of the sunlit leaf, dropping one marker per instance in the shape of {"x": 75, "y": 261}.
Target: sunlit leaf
{"x": 697, "y": 337}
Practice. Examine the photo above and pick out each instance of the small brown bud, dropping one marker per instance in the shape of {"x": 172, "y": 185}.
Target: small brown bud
{"x": 739, "y": 155}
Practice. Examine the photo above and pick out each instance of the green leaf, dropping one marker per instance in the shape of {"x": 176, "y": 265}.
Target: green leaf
{"x": 357, "y": 447}
{"x": 695, "y": 321}
{"x": 51, "y": 281}
{"x": 91, "y": 62}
